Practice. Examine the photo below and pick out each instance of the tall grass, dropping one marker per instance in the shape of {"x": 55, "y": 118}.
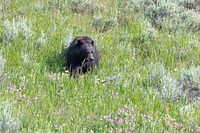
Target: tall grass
{"x": 147, "y": 81}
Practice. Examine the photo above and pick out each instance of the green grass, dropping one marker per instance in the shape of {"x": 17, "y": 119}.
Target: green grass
{"x": 125, "y": 93}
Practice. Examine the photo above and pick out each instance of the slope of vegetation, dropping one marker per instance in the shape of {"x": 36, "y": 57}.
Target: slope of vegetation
{"x": 149, "y": 74}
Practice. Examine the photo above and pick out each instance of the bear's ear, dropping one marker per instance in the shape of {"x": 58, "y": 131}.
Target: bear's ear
{"x": 79, "y": 42}
{"x": 92, "y": 42}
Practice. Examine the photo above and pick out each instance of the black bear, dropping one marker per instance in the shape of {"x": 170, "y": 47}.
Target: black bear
{"x": 82, "y": 55}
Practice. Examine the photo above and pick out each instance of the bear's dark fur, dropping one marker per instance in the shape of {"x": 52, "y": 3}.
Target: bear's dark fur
{"x": 82, "y": 55}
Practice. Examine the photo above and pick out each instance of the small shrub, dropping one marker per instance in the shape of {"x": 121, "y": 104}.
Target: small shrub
{"x": 4, "y": 7}
{"x": 192, "y": 21}
{"x": 2, "y": 62}
{"x": 187, "y": 110}
{"x": 85, "y": 6}
{"x": 50, "y": 5}
{"x": 189, "y": 82}
{"x": 159, "y": 13}
{"x": 164, "y": 82}
{"x": 182, "y": 53}
{"x": 8, "y": 123}
{"x": 148, "y": 34}
{"x": 187, "y": 85}
{"x": 13, "y": 29}
{"x": 69, "y": 37}
{"x": 125, "y": 11}
{"x": 190, "y": 4}
{"x": 39, "y": 6}
{"x": 144, "y": 41}
{"x": 185, "y": 21}
{"x": 104, "y": 23}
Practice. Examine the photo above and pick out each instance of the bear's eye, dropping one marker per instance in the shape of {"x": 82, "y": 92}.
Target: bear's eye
{"x": 89, "y": 52}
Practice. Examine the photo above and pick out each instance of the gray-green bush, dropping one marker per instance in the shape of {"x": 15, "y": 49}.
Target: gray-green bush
{"x": 8, "y": 122}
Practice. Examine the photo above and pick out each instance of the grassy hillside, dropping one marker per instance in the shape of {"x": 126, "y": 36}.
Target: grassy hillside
{"x": 149, "y": 74}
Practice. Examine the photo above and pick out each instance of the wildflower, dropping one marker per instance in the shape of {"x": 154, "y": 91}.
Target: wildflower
{"x": 175, "y": 124}
{"x": 16, "y": 90}
{"x": 35, "y": 98}
{"x": 53, "y": 78}
{"x": 181, "y": 124}
{"x": 132, "y": 128}
{"x": 167, "y": 122}
{"x": 24, "y": 96}
{"x": 19, "y": 95}
{"x": 120, "y": 121}
{"x": 60, "y": 110}
{"x": 126, "y": 121}
{"x": 28, "y": 102}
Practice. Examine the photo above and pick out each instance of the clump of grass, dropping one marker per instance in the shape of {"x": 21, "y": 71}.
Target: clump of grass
{"x": 68, "y": 39}
{"x": 84, "y": 6}
{"x": 8, "y": 122}
{"x": 187, "y": 110}
{"x": 104, "y": 23}
{"x": 156, "y": 14}
{"x": 189, "y": 82}
{"x": 66, "y": 42}
{"x": 137, "y": 5}
{"x": 148, "y": 34}
{"x": 164, "y": 82}
{"x": 39, "y": 6}
{"x": 187, "y": 85}
{"x": 12, "y": 30}
{"x": 192, "y": 21}
{"x": 190, "y": 4}
{"x": 4, "y": 7}
{"x": 125, "y": 11}
{"x": 2, "y": 63}
{"x": 42, "y": 40}
{"x": 170, "y": 16}
{"x": 185, "y": 21}
{"x": 144, "y": 41}
{"x": 54, "y": 5}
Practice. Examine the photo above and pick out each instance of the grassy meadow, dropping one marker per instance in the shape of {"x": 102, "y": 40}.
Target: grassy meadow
{"x": 149, "y": 74}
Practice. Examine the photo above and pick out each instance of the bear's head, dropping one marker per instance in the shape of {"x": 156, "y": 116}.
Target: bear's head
{"x": 86, "y": 48}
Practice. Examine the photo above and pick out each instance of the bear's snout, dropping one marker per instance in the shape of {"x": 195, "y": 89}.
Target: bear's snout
{"x": 90, "y": 56}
